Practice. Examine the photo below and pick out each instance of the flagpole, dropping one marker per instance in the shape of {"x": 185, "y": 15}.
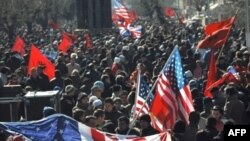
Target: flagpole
{"x": 151, "y": 90}
{"x": 236, "y": 13}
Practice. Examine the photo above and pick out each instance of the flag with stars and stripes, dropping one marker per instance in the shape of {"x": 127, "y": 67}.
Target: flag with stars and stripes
{"x": 233, "y": 71}
{"x": 143, "y": 99}
{"x": 59, "y": 127}
{"x": 173, "y": 98}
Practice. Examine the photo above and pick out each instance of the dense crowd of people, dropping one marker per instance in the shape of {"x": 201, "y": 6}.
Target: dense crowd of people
{"x": 98, "y": 84}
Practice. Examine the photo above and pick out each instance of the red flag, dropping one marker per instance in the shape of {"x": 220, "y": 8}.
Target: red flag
{"x": 169, "y": 11}
{"x": 37, "y": 58}
{"x": 216, "y": 40}
{"x": 19, "y": 46}
{"x": 88, "y": 41}
{"x": 212, "y": 75}
{"x": 211, "y": 28}
{"x": 65, "y": 44}
{"x": 53, "y": 24}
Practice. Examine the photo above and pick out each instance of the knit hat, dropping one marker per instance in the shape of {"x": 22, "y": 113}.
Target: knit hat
{"x": 69, "y": 88}
{"x": 97, "y": 103}
{"x": 100, "y": 84}
{"x": 47, "y": 111}
{"x": 92, "y": 99}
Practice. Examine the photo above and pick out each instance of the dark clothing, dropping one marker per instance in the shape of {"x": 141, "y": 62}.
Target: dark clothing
{"x": 67, "y": 104}
{"x": 113, "y": 116}
{"x": 33, "y": 82}
{"x": 62, "y": 68}
{"x": 177, "y": 137}
{"x": 212, "y": 132}
{"x": 43, "y": 82}
{"x": 148, "y": 131}
{"x": 190, "y": 132}
{"x": 56, "y": 82}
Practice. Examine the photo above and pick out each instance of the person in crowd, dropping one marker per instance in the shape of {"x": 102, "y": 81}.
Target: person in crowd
{"x": 57, "y": 81}
{"x": 67, "y": 101}
{"x": 192, "y": 128}
{"x": 145, "y": 126}
{"x": 43, "y": 79}
{"x": 73, "y": 65}
{"x": 61, "y": 66}
{"x": 111, "y": 113}
{"x": 123, "y": 127}
{"x": 79, "y": 115}
{"x": 47, "y": 111}
{"x": 91, "y": 121}
{"x": 100, "y": 118}
{"x": 218, "y": 98}
{"x": 217, "y": 113}
{"x": 234, "y": 108}
{"x": 178, "y": 131}
{"x": 207, "y": 107}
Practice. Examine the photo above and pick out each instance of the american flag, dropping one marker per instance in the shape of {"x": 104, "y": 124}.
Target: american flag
{"x": 59, "y": 127}
{"x": 144, "y": 97}
{"x": 120, "y": 9}
{"x": 173, "y": 98}
{"x": 233, "y": 71}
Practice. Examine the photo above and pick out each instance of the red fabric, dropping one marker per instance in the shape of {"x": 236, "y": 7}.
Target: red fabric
{"x": 128, "y": 18}
{"x": 212, "y": 75}
{"x": 65, "y": 44}
{"x": 19, "y": 46}
{"x": 37, "y": 58}
{"x": 169, "y": 11}
{"x": 88, "y": 41}
{"x": 216, "y": 40}
{"x": 211, "y": 28}
{"x": 53, "y": 24}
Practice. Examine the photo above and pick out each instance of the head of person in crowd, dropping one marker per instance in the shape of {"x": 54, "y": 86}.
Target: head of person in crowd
{"x": 217, "y": 112}
{"x": 215, "y": 92}
{"x": 118, "y": 103}
{"x": 40, "y": 69}
{"x": 47, "y": 111}
{"x": 97, "y": 104}
{"x": 73, "y": 57}
{"x": 90, "y": 121}
{"x": 92, "y": 99}
{"x": 194, "y": 118}
{"x": 70, "y": 90}
{"x": 82, "y": 99}
{"x": 145, "y": 121}
{"x": 100, "y": 85}
{"x": 108, "y": 105}
{"x": 96, "y": 91}
{"x": 124, "y": 97}
{"x": 188, "y": 75}
{"x": 231, "y": 92}
{"x": 100, "y": 116}
{"x": 179, "y": 127}
{"x": 193, "y": 83}
{"x": 33, "y": 73}
{"x": 79, "y": 115}
{"x": 117, "y": 90}
{"x": 123, "y": 123}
